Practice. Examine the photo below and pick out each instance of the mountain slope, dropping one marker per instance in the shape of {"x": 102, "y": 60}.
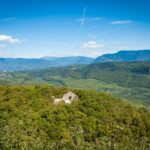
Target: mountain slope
{"x": 137, "y": 72}
{"x": 125, "y": 56}
{"x": 29, "y": 120}
{"x": 128, "y": 80}
{"x": 13, "y": 64}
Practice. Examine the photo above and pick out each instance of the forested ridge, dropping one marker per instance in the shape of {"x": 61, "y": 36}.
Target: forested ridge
{"x": 29, "y": 120}
{"x": 127, "y": 80}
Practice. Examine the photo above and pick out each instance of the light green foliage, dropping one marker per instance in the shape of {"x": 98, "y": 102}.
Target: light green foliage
{"x": 28, "y": 120}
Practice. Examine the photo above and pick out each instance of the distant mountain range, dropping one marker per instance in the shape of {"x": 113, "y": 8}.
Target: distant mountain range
{"x": 15, "y": 64}
{"x": 125, "y": 56}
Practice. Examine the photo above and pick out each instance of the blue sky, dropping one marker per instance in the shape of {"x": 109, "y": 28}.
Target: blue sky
{"x": 37, "y": 28}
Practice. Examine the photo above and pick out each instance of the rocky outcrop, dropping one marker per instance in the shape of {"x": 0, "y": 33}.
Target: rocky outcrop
{"x": 67, "y": 98}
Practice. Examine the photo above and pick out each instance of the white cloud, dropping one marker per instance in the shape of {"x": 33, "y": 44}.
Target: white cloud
{"x": 8, "y": 39}
{"x": 121, "y": 22}
{"x": 91, "y": 45}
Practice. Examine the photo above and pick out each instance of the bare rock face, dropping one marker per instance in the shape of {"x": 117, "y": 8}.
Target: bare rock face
{"x": 67, "y": 98}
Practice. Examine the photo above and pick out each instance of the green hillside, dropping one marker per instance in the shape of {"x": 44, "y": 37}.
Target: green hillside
{"x": 28, "y": 120}
{"x": 129, "y": 81}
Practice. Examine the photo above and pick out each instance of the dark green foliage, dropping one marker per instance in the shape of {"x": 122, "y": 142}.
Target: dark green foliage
{"x": 28, "y": 120}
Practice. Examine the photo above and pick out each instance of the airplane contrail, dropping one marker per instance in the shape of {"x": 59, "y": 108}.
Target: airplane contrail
{"x": 82, "y": 20}
{"x": 83, "y": 17}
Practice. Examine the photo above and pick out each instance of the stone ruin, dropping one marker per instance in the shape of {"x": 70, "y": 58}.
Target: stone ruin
{"x": 67, "y": 98}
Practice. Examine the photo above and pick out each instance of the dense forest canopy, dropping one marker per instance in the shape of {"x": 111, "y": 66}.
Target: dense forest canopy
{"x": 29, "y": 120}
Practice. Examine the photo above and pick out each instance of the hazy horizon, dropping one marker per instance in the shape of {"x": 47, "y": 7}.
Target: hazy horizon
{"x": 71, "y": 55}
